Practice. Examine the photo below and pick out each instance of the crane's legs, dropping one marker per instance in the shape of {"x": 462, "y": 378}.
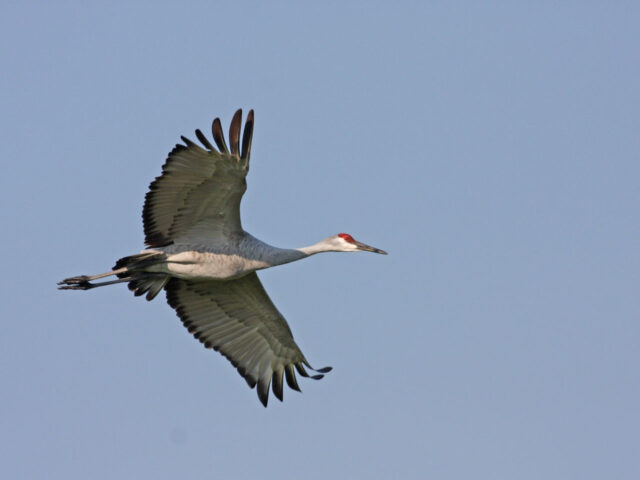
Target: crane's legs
{"x": 131, "y": 270}
{"x": 83, "y": 282}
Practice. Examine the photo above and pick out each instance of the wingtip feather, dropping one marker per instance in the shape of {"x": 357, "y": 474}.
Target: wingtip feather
{"x": 247, "y": 137}
{"x": 234, "y": 132}
{"x": 204, "y": 140}
{"x": 263, "y": 390}
{"x": 218, "y": 136}
{"x": 290, "y": 376}
{"x": 277, "y": 385}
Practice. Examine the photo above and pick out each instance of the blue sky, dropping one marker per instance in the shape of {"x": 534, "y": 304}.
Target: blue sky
{"x": 491, "y": 149}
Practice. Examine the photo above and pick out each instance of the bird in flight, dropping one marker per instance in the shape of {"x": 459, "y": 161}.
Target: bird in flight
{"x": 198, "y": 252}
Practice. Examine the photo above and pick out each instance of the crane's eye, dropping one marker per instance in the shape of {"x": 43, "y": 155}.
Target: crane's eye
{"x": 347, "y": 237}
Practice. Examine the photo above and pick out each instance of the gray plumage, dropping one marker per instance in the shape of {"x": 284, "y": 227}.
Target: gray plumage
{"x": 200, "y": 255}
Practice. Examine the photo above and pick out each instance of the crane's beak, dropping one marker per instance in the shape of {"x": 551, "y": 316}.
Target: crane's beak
{"x": 367, "y": 248}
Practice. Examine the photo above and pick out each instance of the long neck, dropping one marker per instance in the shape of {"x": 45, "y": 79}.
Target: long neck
{"x": 264, "y": 253}
{"x": 287, "y": 255}
{"x": 315, "y": 248}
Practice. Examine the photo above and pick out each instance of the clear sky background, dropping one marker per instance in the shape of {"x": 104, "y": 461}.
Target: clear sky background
{"x": 491, "y": 149}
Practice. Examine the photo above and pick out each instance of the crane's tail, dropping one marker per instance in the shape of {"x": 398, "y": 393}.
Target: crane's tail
{"x": 129, "y": 269}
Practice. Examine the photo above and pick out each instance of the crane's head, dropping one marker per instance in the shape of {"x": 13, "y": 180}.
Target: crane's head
{"x": 343, "y": 242}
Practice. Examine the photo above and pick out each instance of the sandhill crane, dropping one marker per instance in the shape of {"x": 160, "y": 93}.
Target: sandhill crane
{"x": 200, "y": 255}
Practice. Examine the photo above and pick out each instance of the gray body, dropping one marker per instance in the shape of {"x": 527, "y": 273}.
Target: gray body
{"x": 198, "y": 252}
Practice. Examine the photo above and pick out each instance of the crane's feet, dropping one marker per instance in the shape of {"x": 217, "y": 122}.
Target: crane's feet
{"x": 80, "y": 282}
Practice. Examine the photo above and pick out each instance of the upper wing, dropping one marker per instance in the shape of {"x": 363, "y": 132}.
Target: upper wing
{"x": 238, "y": 319}
{"x": 200, "y": 189}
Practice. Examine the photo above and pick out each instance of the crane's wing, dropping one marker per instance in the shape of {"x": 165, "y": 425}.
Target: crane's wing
{"x": 238, "y": 319}
{"x": 200, "y": 188}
